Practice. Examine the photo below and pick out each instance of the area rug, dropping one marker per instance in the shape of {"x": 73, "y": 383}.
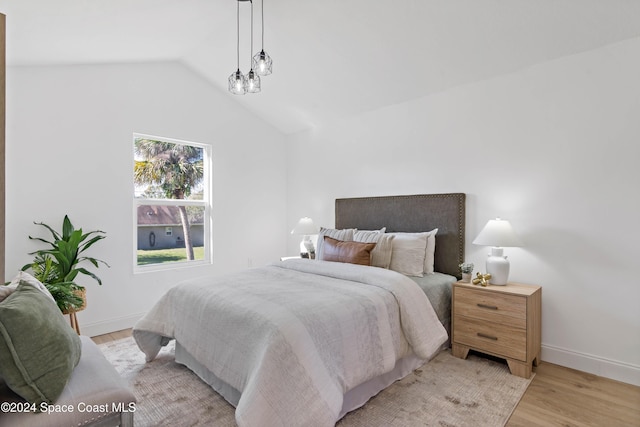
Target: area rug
{"x": 445, "y": 392}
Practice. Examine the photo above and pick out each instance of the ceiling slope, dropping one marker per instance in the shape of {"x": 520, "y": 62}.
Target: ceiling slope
{"x": 333, "y": 58}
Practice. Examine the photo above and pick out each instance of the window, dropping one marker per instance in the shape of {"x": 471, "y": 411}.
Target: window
{"x": 172, "y": 202}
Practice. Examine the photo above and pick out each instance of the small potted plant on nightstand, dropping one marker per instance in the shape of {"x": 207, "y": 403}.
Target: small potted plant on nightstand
{"x": 466, "y": 268}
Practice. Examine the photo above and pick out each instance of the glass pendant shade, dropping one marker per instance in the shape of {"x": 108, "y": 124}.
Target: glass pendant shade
{"x": 237, "y": 83}
{"x": 262, "y": 63}
{"x": 252, "y": 83}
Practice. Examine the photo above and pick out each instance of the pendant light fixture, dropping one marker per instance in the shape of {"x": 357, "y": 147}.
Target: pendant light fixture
{"x": 262, "y": 62}
{"x": 237, "y": 82}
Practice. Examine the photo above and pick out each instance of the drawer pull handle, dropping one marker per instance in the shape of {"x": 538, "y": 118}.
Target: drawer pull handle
{"x": 490, "y": 307}
{"x": 481, "y": 335}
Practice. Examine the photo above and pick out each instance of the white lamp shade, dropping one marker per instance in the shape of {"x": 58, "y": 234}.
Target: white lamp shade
{"x": 498, "y": 232}
{"x": 305, "y": 226}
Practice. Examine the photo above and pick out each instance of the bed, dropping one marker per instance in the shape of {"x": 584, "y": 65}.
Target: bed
{"x": 303, "y": 342}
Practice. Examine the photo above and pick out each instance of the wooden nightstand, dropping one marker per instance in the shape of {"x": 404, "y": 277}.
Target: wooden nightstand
{"x": 502, "y": 321}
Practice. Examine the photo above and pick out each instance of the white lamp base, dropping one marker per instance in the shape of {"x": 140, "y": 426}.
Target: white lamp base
{"x": 306, "y": 248}
{"x": 498, "y": 267}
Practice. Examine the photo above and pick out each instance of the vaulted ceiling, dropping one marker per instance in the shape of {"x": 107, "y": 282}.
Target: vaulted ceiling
{"x": 332, "y": 58}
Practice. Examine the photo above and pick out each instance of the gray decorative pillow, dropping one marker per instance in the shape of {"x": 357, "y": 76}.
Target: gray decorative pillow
{"x": 38, "y": 349}
{"x": 346, "y": 235}
{"x": 367, "y": 234}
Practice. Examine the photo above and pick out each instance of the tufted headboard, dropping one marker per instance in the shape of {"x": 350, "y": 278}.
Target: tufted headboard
{"x": 421, "y": 212}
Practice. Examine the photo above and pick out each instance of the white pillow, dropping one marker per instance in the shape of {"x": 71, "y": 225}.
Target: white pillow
{"x": 29, "y": 279}
{"x": 430, "y": 251}
{"x": 346, "y": 235}
{"x": 408, "y": 254}
{"x": 381, "y": 253}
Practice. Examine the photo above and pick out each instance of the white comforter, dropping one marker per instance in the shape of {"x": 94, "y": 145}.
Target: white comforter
{"x": 293, "y": 337}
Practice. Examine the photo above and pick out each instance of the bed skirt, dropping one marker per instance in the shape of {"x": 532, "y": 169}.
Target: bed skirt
{"x": 353, "y": 399}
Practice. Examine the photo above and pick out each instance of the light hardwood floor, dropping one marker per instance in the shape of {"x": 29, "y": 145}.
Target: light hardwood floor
{"x": 101, "y": 339}
{"x": 557, "y": 396}
{"x": 560, "y": 396}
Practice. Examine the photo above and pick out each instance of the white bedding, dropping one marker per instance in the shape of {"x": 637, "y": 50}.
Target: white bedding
{"x": 295, "y": 336}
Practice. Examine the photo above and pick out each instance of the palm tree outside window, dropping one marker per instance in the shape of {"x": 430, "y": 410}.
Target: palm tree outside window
{"x": 172, "y": 187}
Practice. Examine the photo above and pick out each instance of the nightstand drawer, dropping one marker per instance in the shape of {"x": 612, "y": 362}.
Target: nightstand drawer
{"x": 502, "y": 340}
{"x": 491, "y": 306}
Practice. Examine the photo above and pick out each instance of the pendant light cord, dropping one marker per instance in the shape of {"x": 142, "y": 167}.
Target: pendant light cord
{"x": 238, "y": 33}
{"x": 251, "y": 51}
{"x": 262, "y": 25}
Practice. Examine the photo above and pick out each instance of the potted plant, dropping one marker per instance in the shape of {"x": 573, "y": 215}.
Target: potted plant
{"x": 466, "y": 268}
{"x": 58, "y": 265}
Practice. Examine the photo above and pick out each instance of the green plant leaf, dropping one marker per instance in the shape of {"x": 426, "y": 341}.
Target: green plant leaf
{"x": 90, "y": 274}
{"x": 67, "y": 228}
{"x": 71, "y": 275}
{"x": 89, "y": 243}
{"x": 55, "y": 234}
{"x": 94, "y": 261}
{"x": 53, "y": 245}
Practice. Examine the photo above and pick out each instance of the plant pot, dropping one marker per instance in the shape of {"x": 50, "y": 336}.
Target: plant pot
{"x": 82, "y": 293}
{"x": 466, "y": 277}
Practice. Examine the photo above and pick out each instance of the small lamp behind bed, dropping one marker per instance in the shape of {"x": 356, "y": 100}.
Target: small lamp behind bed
{"x": 498, "y": 233}
{"x": 306, "y": 228}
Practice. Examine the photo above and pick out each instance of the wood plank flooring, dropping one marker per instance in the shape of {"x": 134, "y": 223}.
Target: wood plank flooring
{"x": 101, "y": 339}
{"x": 557, "y": 396}
{"x": 560, "y": 396}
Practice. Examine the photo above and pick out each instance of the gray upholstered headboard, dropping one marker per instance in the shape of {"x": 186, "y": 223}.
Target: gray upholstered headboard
{"x": 421, "y": 212}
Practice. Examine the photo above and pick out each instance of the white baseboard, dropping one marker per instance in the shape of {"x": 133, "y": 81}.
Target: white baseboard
{"x": 600, "y": 366}
{"x": 111, "y": 325}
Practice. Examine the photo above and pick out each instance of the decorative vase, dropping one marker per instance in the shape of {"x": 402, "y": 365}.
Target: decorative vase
{"x": 466, "y": 277}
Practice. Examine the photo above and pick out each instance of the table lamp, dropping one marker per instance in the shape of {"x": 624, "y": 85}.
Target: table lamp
{"x": 497, "y": 234}
{"x": 305, "y": 227}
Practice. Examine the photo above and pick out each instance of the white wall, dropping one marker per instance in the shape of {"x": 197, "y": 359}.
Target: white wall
{"x": 69, "y": 151}
{"x": 553, "y": 148}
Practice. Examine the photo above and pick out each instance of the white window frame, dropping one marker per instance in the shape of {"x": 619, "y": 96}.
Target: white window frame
{"x": 205, "y": 202}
